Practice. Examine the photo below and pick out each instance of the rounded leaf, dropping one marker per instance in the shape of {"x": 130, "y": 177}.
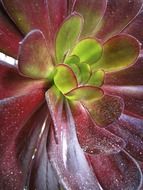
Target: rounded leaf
{"x": 97, "y": 78}
{"x": 67, "y": 36}
{"x": 88, "y": 50}
{"x": 118, "y": 53}
{"x": 85, "y": 93}
{"x": 65, "y": 79}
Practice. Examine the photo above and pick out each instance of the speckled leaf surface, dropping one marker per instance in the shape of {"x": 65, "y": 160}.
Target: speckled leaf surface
{"x": 117, "y": 15}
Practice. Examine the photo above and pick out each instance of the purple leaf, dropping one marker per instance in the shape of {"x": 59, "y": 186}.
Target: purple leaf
{"x": 118, "y": 14}
{"x": 117, "y": 171}
{"x": 93, "y": 139}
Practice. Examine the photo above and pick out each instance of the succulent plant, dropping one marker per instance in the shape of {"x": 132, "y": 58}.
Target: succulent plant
{"x": 71, "y": 109}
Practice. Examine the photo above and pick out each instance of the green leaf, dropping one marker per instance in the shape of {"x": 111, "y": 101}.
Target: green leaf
{"x": 85, "y": 72}
{"x": 73, "y": 59}
{"x": 67, "y": 36}
{"x": 88, "y": 50}
{"x": 97, "y": 78}
{"x": 75, "y": 69}
{"x": 65, "y": 79}
{"x": 85, "y": 93}
{"x": 119, "y": 53}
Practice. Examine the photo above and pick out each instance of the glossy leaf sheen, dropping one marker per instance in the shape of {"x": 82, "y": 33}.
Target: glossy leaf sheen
{"x": 132, "y": 96}
{"x": 105, "y": 110}
{"x": 85, "y": 93}
{"x": 69, "y": 32}
{"x": 88, "y": 50}
{"x": 118, "y": 53}
{"x": 65, "y": 154}
{"x": 92, "y": 138}
{"x": 34, "y": 58}
{"x": 64, "y": 78}
{"x": 117, "y": 171}
{"x": 29, "y": 145}
{"x": 14, "y": 113}
{"x": 130, "y": 129}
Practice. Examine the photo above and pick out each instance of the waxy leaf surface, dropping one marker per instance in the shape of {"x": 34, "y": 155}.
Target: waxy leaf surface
{"x": 117, "y": 171}
{"x": 117, "y": 16}
{"x": 88, "y": 50}
{"x": 63, "y": 145}
{"x": 64, "y": 78}
{"x": 67, "y": 36}
{"x": 34, "y": 58}
{"x": 92, "y": 138}
{"x": 85, "y": 93}
{"x": 118, "y": 53}
{"x": 92, "y": 12}
{"x": 106, "y": 110}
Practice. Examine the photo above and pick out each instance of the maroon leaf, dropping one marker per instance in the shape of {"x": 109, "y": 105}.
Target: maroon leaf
{"x": 130, "y": 76}
{"x": 118, "y": 14}
{"x": 9, "y": 35}
{"x": 106, "y": 110}
{"x": 58, "y": 11}
{"x": 92, "y": 12}
{"x": 14, "y": 113}
{"x": 93, "y": 139}
{"x": 12, "y": 84}
{"x": 34, "y": 58}
{"x": 29, "y": 142}
{"x": 134, "y": 27}
{"x": 22, "y": 14}
{"x": 131, "y": 130}
{"x": 132, "y": 96}
{"x": 117, "y": 171}
{"x": 64, "y": 152}
{"x": 41, "y": 175}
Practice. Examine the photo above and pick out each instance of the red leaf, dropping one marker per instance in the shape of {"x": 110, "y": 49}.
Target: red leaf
{"x": 64, "y": 152}
{"x": 93, "y": 139}
{"x": 14, "y": 113}
{"x": 118, "y": 14}
{"x": 9, "y": 35}
{"x": 117, "y": 171}
{"x": 12, "y": 84}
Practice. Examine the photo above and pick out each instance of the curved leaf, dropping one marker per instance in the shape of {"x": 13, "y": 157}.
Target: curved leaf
{"x": 118, "y": 53}
{"x": 69, "y": 32}
{"x": 34, "y": 59}
{"x": 86, "y": 93}
{"x": 88, "y": 50}
{"x": 65, "y": 79}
